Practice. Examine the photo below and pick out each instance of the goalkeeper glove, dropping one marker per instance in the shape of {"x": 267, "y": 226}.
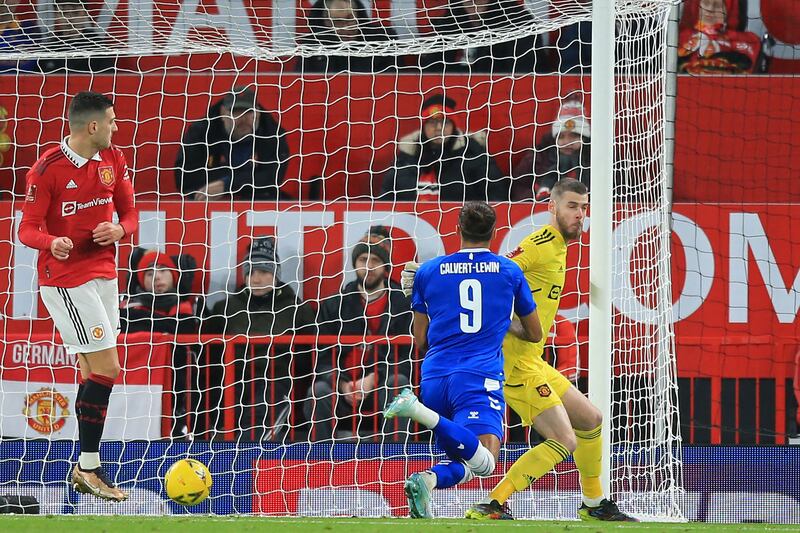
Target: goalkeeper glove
{"x": 407, "y": 277}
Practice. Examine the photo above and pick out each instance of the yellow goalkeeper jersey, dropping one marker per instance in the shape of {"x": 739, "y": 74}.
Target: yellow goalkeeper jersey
{"x": 542, "y": 256}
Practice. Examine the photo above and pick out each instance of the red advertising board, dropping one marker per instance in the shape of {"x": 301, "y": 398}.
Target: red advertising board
{"x": 38, "y": 380}
{"x": 287, "y": 487}
{"x": 734, "y": 268}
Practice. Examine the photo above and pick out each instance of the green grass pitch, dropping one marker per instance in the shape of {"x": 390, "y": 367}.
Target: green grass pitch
{"x": 215, "y": 524}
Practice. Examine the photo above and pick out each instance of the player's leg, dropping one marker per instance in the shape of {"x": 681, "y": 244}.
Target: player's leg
{"x": 475, "y": 411}
{"x": 467, "y": 454}
{"x": 94, "y": 404}
{"x": 103, "y": 363}
{"x": 587, "y": 421}
{"x": 420, "y": 485}
{"x": 85, "y": 369}
{"x": 84, "y": 366}
{"x": 72, "y": 334}
{"x": 478, "y": 406}
{"x": 81, "y": 317}
{"x": 456, "y": 440}
{"x": 88, "y": 475}
{"x": 104, "y": 368}
{"x": 457, "y": 470}
{"x": 109, "y": 298}
{"x": 537, "y": 404}
{"x": 553, "y": 425}
{"x": 383, "y": 395}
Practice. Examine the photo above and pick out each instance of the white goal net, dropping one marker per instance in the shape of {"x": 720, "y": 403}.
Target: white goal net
{"x": 269, "y": 144}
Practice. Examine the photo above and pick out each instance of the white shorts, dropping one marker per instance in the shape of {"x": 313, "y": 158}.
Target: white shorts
{"x": 86, "y": 316}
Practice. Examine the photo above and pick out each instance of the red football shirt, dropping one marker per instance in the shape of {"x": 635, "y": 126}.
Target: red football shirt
{"x": 68, "y": 196}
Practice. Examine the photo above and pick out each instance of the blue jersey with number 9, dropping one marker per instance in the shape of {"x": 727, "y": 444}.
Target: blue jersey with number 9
{"x": 468, "y": 297}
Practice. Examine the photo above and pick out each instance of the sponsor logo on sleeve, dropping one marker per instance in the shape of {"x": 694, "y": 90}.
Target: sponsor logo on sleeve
{"x": 30, "y": 196}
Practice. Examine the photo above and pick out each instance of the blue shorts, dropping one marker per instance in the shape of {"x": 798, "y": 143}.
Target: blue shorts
{"x": 469, "y": 400}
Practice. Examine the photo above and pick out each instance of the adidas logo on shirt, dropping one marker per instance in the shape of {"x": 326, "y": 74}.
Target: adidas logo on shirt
{"x": 72, "y": 185}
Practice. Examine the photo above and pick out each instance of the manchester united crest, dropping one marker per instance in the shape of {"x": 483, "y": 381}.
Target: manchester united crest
{"x": 106, "y": 175}
{"x": 46, "y": 410}
{"x": 543, "y": 390}
{"x": 97, "y": 332}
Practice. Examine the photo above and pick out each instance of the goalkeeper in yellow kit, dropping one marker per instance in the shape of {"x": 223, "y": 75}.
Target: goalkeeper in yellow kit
{"x": 536, "y": 391}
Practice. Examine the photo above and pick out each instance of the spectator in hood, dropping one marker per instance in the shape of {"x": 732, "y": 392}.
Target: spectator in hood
{"x": 562, "y": 153}
{"x": 354, "y": 380}
{"x": 160, "y": 299}
{"x": 238, "y": 149}
{"x": 264, "y": 306}
{"x": 440, "y": 162}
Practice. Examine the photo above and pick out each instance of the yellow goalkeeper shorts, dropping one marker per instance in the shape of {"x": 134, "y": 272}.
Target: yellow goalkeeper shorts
{"x": 535, "y": 392}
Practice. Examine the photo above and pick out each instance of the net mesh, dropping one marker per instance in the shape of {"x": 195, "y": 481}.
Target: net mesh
{"x": 646, "y": 456}
{"x": 254, "y": 385}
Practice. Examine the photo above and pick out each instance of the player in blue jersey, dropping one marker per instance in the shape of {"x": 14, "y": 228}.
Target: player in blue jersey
{"x": 462, "y": 307}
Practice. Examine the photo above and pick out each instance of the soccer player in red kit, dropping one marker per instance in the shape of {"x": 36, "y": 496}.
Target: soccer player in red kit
{"x": 72, "y": 193}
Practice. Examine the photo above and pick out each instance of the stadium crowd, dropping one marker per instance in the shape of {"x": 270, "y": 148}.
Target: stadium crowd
{"x": 713, "y": 39}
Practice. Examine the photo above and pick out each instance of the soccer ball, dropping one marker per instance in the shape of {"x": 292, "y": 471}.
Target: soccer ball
{"x": 187, "y": 482}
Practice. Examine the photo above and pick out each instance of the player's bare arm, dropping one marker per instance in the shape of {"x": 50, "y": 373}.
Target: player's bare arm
{"x": 420, "y": 330}
{"x": 527, "y": 328}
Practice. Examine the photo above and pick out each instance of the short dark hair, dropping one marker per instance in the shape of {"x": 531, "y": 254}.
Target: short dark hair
{"x": 568, "y": 185}
{"x": 477, "y": 220}
{"x": 87, "y": 103}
